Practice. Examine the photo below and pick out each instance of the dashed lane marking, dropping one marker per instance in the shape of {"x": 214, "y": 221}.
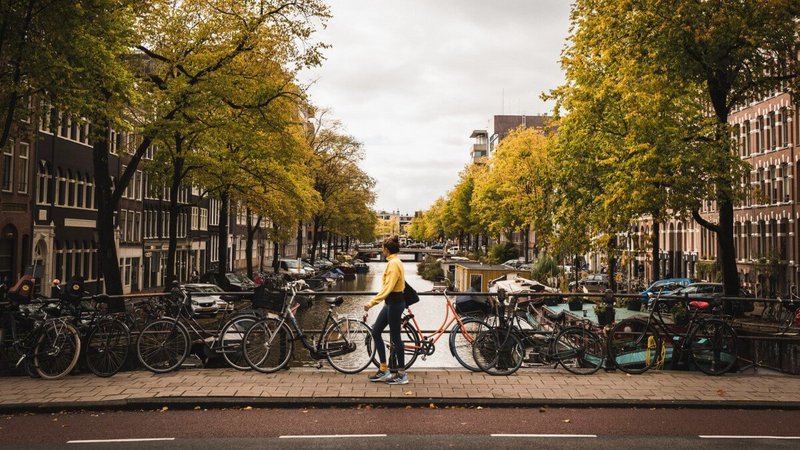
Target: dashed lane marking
{"x": 107, "y": 441}
{"x": 328, "y": 436}
{"x": 711, "y": 436}
{"x": 546, "y": 435}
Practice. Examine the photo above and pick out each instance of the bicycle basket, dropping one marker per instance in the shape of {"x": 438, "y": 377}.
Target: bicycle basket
{"x": 269, "y": 299}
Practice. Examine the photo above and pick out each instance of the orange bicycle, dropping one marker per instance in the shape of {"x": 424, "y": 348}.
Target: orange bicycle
{"x": 463, "y": 331}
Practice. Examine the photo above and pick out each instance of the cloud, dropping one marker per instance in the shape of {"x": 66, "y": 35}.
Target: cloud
{"x": 412, "y": 79}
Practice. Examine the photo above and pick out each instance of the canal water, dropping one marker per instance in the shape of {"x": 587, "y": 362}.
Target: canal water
{"x": 429, "y": 312}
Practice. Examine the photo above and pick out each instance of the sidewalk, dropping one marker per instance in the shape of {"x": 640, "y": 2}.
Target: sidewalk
{"x": 307, "y": 387}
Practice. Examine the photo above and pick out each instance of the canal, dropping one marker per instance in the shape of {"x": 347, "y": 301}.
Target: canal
{"x": 429, "y": 312}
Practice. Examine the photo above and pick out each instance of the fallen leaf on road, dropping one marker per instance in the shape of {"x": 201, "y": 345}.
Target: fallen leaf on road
{"x": 721, "y": 392}
{"x": 55, "y": 420}
{"x": 166, "y": 408}
{"x": 432, "y": 406}
{"x": 408, "y": 393}
{"x": 479, "y": 407}
{"x": 95, "y": 415}
{"x": 249, "y": 408}
{"x": 408, "y": 406}
{"x": 542, "y": 410}
{"x": 566, "y": 421}
{"x": 196, "y": 407}
{"x": 463, "y": 423}
{"x": 304, "y": 411}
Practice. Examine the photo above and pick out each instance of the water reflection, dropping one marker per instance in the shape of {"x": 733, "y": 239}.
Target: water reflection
{"x": 429, "y": 312}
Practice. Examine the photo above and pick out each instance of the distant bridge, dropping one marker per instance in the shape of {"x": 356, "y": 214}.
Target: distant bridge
{"x": 419, "y": 253}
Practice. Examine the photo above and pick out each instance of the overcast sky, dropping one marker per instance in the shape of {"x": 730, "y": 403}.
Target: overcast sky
{"x": 411, "y": 79}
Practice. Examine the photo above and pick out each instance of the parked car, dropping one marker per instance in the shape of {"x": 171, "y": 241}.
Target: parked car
{"x": 205, "y": 305}
{"x": 230, "y": 282}
{"x": 294, "y": 268}
{"x": 663, "y": 287}
{"x": 706, "y": 291}
{"x": 592, "y": 283}
{"x": 437, "y": 246}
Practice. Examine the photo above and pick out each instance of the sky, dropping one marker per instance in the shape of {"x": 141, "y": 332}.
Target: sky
{"x": 411, "y": 79}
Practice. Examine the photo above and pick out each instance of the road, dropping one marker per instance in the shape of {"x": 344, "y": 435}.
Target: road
{"x": 366, "y": 427}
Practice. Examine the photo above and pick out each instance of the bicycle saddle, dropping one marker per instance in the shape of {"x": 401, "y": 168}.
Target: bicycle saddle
{"x": 334, "y": 301}
{"x": 699, "y": 304}
{"x": 21, "y": 292}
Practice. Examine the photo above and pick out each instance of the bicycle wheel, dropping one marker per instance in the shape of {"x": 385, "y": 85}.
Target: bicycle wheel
{"x": 498, "y": 352}
{"x": 57, "y": 350}
{"x": 579, "y": 350}
{"x": 268, "y": 345}
{"x": 713, "y": 347}
{"x": 634, "y": 346}
{"x": 231, "y": 338}
{"x": 107, "y": 347}
{"x": 412, "y": 345}
{"x": 462, "y": 339}
{"x": 348, "y": 345}
{"x": 163, "y": 345}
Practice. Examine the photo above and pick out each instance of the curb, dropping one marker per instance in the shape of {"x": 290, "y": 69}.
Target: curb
{"x": 189, "y": 403}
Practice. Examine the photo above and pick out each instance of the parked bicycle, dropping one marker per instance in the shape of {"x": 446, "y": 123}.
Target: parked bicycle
{"x": 784, "y": 313}
{"x": 462, "y": 332}
{"x": 502, "y": 348}
{"x": 37, "y": 333}
{"x": 709, "y": 342}
{"x": 345, "y": 342}
{"x": 101, "y": 322}
{"x": 163, "y": 344}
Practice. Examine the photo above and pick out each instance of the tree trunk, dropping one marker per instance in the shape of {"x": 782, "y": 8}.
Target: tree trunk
{"x": 299, "y": 239}
{"x": 14, "y": 95}
{"x": 223, "y": 233}
{"x": 251, "y": 232}
{"x": 106, "y": 206}
{"x": 330, "y": 244}
{"x": 526, "y": 243}
{"x": 727, "y": 249}
{"x": 174, "y": 210}
{"x": 275, "y": 249}
{"x": 655, "y": 241}
{"x": 315, "y": 239}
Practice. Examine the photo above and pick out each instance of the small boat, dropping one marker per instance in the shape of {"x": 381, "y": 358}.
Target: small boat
{"x": 360, "y": 266}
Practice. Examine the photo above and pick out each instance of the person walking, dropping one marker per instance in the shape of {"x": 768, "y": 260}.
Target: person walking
{"x": 391, "y": 293}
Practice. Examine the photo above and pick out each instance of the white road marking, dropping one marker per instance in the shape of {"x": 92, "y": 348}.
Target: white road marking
{"x": 710, "y": 436}
{"x": 328, "y": 436}
{"x": 105, "y": 441}
{"x": 547, "y": 435}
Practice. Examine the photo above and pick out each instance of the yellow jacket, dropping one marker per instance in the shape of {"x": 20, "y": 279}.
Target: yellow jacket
{"x": 394, "y": 280}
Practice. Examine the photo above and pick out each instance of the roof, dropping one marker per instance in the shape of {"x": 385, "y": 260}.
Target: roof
{"x": 476, "y": 133}
{"x": 493, "y": 267}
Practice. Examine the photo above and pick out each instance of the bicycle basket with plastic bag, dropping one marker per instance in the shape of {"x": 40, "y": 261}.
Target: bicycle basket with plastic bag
{"x": 269, "y": 299}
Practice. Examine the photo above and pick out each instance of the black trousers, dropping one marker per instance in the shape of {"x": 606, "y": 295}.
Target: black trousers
{"x": 391, "y": 315}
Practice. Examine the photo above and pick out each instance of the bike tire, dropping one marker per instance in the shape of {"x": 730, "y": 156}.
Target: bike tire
{"x": 231, "y": 338}
{"x": 163, "y": 345}
{"x": 498, "y": 352}
{"x": 268, "y": 345}
{"x": 107, "y": 347}
{"x": 634, "y": 346}
{"x": 356, "y": 337}
{"x": 578, "y": 350}
{"x": 462, "y": 340}
{"x": 57, "y": 350}
{"x": 412, "y": 345}
{"x": 713, "y": 347}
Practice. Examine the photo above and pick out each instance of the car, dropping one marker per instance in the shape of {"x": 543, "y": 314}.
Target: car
{"x": 663, "y": 287}
{"x": 592, "y": 283}
{"x": 515, "y": 263}
{"x": 437, "y": 246}
{"x": 293, "y": 267}
{"x": 205, "y": 305}
{"x": 229, "y": 282}
{"x": 705, "y": 291}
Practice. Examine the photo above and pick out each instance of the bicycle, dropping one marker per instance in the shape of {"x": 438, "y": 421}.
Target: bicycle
{"x": 783, "y": 312}
{"x": 345, "y": 342}
{"x": 41, "y": 337}
{"x": 106, "y": 338}
{"x": 636, "y": 345}
{"x": 502, "y": 349}
{"x": 163, "y": 344}
{"x": 462, "y": 335}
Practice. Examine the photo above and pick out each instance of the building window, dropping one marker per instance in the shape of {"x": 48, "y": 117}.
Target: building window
{"x": 22, "y": 169}
{"x": 8, "y": 167}
{"x": 203, "y": 219}
{"x": 61, "y": 188}
{"x": 195, "y": 218}
{"x": 43, "y": 185}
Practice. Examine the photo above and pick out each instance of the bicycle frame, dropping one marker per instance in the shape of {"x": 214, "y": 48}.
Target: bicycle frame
{"x": 430, "y": 340}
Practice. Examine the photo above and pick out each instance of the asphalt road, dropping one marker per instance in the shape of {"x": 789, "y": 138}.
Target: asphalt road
{"x": 405, "y": 428}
